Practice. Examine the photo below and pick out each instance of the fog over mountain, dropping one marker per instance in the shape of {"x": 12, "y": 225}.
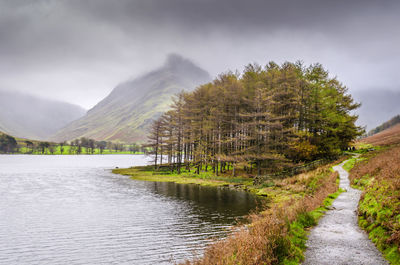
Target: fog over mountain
{"x": 78, "y": 51}
{"x": 126, "y": 113}
{"x": 27, "y": 116}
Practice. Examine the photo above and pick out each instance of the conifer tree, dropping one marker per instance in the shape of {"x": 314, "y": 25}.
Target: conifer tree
{"x": 268, "y": 117}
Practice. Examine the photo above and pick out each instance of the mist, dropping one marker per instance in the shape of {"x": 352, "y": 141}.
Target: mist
{"x": 27, "y": 116}
{"x": 78, "y": 51}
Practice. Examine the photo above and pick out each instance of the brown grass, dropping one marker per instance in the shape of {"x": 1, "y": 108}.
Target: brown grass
{"x": 387, "y": 137}
{"x": 265, "y": 240}
{"x": 382, "y": 165}
{"x": 380, "y": 203}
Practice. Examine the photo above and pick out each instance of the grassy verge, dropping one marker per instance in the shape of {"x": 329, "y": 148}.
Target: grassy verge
{"x": 298, "y": 230}
{"x": 349, "y": 164}
{"x": 379, "y": 208}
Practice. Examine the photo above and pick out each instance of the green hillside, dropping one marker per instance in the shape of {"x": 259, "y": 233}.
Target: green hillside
{"x": 126, "y": 113}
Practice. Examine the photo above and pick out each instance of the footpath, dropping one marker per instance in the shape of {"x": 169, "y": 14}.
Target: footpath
{"x": 337, "y": 239}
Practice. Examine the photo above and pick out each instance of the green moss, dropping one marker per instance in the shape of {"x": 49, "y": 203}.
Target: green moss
{"x": 362, "y": 182}
{"x": 392, "y": 254}
{"x": 263, "y": 192}
{"x": 349, "y": 164}
{"x": 376, "y": 213}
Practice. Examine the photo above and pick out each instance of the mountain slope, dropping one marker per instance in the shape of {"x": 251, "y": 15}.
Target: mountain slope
{"x": 386, "y": 125}
{"x": 126, "y": 113}
{"x": 27, "y": 116}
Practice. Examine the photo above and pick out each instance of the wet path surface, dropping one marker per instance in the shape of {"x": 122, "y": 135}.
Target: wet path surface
{"x": 338, "y": 239}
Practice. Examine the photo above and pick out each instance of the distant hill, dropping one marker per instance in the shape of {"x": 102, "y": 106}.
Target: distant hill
{"x": 386, "y": 125}
{"x": 126, "y": 113}
{"x": 389, "y": 136}
{"x": 377, "y": 105}
{"x": 27, "y": 116}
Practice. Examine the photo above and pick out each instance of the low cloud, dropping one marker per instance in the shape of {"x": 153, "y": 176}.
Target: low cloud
{"x": 79, "y": 50}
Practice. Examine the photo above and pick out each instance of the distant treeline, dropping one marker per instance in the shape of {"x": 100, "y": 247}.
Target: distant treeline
{"x": 390, "y": 123}
{"x": 9, "y": 144}
{"x": 267, "y": 118}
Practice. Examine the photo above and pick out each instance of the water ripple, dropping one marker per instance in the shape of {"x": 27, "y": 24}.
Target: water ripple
{"x": 73, "y": 210}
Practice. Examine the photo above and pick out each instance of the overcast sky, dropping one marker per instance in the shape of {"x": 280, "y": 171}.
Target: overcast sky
{"x": 78, "y": 50}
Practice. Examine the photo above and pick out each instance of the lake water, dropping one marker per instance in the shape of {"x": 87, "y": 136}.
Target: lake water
{"x": 73, "y": 210}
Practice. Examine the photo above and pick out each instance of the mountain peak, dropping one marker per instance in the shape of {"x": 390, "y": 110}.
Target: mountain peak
{"x": 174, "y": 59}
{"x": 126, "y": 113}
{"x": 185, "y": 67}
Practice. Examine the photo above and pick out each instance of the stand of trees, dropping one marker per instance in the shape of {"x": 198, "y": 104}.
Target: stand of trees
{"x": 8, "y": 144}
{"x": 264, "y": 119}
{"x": 77, "y": 146}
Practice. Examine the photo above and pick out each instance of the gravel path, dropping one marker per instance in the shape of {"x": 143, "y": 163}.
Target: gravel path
{"x": 337, "y": 239}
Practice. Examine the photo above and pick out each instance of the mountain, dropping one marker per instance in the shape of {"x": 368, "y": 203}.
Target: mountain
{"x": 386, "y": 125}
{"x": 377, "y": 105}
{"x": 27, "y": 116}
{"x": 126, "y": 113}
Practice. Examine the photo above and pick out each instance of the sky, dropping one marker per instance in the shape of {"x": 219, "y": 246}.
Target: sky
{"x": 79, "y": 50}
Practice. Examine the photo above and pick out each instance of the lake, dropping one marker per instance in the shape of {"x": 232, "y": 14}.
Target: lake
{"x": 73, "y": 210}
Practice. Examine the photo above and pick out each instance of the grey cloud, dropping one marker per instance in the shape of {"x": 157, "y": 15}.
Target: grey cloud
{"x": 78, "y": 50}
{"x": 238, "y": 15}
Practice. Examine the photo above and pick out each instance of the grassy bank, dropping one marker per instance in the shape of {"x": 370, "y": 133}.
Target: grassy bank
{"x": 147, "y": 173}
{"x": 275, "y": 189}
{"x": 378, "y": 174}
{"x": 277, "y": 234}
